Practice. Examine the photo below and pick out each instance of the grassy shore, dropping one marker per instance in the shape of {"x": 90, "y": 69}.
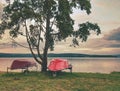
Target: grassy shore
{"x": 35, "y": 81}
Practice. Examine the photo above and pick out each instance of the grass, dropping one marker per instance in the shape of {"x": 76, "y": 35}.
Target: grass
{"x": 35, "y": 81}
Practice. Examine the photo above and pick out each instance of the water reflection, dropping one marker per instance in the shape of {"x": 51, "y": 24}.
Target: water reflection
{"x": 94, "y": 65}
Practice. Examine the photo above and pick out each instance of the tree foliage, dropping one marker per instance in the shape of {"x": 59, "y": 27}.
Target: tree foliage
{"x": 44, "y": 22}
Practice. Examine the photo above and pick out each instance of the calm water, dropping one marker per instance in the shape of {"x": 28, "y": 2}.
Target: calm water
{"x": 94, "y": 65}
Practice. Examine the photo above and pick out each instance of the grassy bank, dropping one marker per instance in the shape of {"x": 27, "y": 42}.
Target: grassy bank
{"x": 34, "y": 81}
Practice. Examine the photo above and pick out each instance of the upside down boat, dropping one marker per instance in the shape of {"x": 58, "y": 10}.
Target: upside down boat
{"x": 21, "y": 64}
{"x": 59, "y": 64}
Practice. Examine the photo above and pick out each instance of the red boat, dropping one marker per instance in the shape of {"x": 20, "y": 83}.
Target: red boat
{"x": 21, "y": 64}
{"x": 59, "y": 64}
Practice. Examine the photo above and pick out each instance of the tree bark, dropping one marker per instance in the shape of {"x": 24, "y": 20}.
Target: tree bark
{"x": 44, "y": 64}
{"x": 47, "y": 35}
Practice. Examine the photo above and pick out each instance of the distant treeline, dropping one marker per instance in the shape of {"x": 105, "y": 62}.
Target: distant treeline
{"x": 14, "y": 55}
{"x": 78, "y": 55}
{"x": 57, "y": 55}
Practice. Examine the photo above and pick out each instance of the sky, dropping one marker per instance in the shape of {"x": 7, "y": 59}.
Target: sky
{"x": 105, "y": 13}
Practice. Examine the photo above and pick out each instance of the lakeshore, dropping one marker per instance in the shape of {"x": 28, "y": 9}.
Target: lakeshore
{"x": 83, "y": 64}
{"x": 89, "y": 74}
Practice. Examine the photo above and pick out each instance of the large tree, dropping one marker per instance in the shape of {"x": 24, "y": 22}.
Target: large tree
{"x": 43, "y": 22}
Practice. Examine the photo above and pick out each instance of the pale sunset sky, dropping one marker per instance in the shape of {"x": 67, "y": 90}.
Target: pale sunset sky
{"x": 105, "y": 13}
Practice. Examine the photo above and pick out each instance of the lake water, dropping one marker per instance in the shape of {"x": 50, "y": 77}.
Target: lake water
{"x": 93, "y": 65}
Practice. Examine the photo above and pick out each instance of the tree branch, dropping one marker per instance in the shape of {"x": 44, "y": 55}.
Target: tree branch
{"x": 28, "y": 40}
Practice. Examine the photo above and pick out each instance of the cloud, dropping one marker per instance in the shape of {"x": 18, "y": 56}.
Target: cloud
{"x": 113, "y": 38}
{"x": 115, "y": 45}
{"x": 106, "y": 43}
{"x": 109, "y": 41}
{"x": 114, "y": 35}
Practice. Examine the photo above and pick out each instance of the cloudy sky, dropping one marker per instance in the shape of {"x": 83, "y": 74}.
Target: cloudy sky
{"x": 104, "y": 12}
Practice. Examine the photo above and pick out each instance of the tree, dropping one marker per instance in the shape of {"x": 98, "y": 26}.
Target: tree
{"x": 45, "y": 22}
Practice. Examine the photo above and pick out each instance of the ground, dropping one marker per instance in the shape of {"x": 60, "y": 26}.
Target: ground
{"x": 65, "y": 81}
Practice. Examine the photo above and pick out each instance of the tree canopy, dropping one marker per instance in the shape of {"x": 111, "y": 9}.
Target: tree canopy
{"x": 44, "y": 22}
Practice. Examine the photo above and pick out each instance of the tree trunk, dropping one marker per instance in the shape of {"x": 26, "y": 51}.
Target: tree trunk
{"x": 44, "y": 64}
{"x": 47, "y": 35}
{"x": 44, "y": 60}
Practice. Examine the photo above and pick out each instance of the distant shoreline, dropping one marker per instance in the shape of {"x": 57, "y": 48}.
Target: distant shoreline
{"x": 56, "y": 55}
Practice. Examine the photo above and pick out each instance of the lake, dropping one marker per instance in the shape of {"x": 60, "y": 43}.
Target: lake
{"x": 83, "y": 64}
